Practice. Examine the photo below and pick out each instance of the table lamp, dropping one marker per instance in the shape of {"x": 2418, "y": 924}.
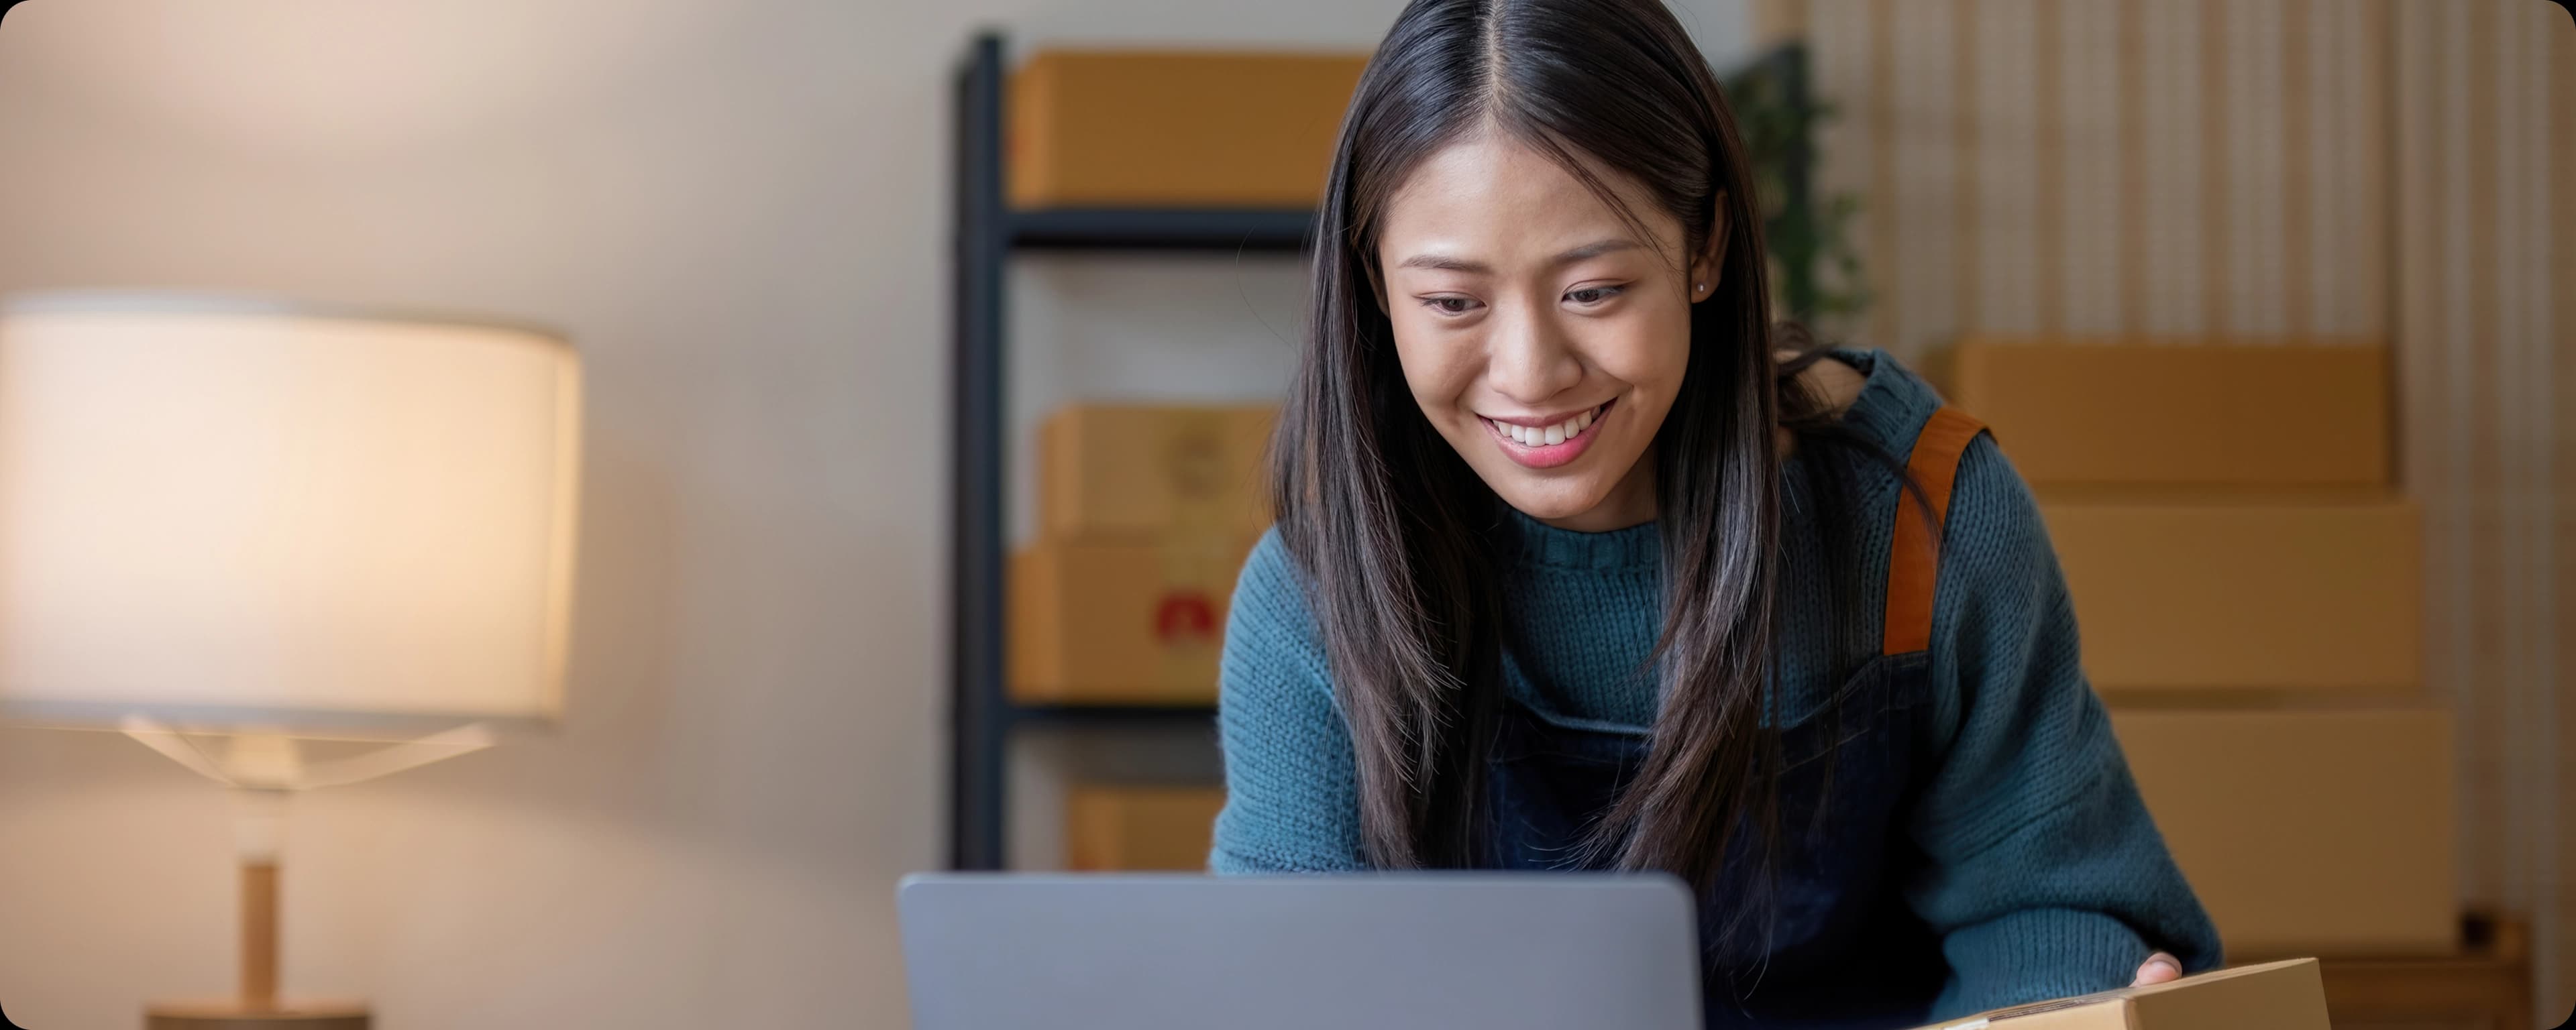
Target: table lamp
{"x": 232, "y": 528}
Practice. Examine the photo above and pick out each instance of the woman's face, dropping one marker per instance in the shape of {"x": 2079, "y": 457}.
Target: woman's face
{"x": 1540, "y": 334}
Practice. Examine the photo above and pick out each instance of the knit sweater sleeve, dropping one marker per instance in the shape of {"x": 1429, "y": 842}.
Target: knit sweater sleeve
{"x": 1291, "y": 800}
{"x": 2043, "y": 871}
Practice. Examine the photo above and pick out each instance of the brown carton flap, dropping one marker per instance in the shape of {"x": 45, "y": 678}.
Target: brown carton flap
{"x": 2285, "y": 995}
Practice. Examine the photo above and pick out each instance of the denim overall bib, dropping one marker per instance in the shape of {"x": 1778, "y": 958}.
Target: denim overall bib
{"x": 1844, "y": 950}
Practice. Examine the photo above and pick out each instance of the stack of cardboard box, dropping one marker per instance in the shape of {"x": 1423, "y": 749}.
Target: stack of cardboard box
{"x": 2246, "y": 578}
{"x": 1145, "y": 514}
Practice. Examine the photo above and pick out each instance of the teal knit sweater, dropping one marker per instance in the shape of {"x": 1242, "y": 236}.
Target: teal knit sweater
{"x": 2039, "y": 865}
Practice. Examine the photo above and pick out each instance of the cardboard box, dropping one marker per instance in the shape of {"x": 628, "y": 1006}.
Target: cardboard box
{"x": 2180, "y": 413}
{"x": 1148, "y": 471}
{"x": 2307, "y": 832}
{"x": 1161, "y": 129}
{"x": 2272, "y": 996}
{"x": 2485, "y": 987}
{"x": 1121, "y": 623}
{"x": 2307, "y": 597}
{"x": 1110, "y": 829}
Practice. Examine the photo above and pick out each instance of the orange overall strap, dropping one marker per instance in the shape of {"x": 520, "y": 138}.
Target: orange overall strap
{"x": 1913, "y": 558}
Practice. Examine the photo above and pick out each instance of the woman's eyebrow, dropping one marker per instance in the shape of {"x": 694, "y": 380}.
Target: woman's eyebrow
{"x": 1446, "y": 263}
{"x": 1593, "y": 250}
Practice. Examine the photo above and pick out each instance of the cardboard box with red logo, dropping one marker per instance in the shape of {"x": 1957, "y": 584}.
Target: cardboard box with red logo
{"x": 1146, "y": 514}
{"x": 1121, "y": 623}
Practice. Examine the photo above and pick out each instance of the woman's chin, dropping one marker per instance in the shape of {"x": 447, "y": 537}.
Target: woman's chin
{"x": 1553, "y": 506}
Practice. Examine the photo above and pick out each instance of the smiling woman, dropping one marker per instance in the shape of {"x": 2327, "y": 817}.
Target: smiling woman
{"x": 1516, "y": 335}
{"x": 1581, "y": 562}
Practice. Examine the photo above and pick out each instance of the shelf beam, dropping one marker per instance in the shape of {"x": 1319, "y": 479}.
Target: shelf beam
{"x": 1115, "y": 715}
{"x": 1246, "y": 230}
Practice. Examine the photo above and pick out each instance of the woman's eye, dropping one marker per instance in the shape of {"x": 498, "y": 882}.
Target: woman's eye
{"x": 1591, "y": 295}
{"x": 1450, "y": 305}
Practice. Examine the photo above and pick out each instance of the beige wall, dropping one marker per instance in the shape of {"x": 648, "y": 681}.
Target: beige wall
{"x": 2101, "y": 166}
{"x": 2368, "y": 170}
{"x": 738, "y": 209}
{"x": 2484, "y": 121}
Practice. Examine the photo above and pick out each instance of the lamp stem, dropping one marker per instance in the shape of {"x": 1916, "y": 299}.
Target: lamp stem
{"x": 258, "y": 830}
{"x": 259, "y": 816}
{"x": 259, "y": 936}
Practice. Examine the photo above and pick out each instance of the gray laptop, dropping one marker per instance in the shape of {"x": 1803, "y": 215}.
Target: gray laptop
{"x": 1421, "y": 951}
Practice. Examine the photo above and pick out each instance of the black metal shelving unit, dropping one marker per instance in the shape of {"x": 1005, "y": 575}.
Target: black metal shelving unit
{"x": 988, "y": 233}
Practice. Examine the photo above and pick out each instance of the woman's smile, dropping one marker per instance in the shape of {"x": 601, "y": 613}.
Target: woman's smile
{"x": 1546, "y": 442}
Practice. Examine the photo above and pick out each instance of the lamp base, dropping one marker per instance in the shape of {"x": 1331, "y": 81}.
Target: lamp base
{"x": 236, "y": 1016}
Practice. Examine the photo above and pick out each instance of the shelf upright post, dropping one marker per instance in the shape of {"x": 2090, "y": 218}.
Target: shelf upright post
{"x": 977, "y": 540}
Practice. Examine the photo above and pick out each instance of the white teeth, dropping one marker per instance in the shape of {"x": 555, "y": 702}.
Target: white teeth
{"x": 1548, "y": 436}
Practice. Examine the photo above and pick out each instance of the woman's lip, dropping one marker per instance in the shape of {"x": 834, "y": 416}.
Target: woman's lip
{"x": 1547, "y": 456}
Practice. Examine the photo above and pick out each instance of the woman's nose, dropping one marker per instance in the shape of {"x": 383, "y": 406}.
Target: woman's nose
{"x": 1529, "y": 358}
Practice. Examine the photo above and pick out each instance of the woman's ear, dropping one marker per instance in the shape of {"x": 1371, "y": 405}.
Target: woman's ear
{"x": 1710, "y": 261}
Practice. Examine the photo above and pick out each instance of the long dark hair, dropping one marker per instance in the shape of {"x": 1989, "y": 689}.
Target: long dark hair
{"x": 1394, "y": 532}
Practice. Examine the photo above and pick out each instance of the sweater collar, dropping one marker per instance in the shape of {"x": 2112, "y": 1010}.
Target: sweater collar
{"x": 1537, "y": 543}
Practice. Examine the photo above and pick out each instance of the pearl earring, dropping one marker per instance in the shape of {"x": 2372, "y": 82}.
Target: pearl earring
{"x": 1703, "y": 287}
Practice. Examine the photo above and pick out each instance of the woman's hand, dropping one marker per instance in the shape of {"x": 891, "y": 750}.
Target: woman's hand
{"x": 2157, "y": 969}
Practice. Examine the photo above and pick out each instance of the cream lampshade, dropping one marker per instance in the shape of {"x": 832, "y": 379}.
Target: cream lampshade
{"x": 232, "y": 519}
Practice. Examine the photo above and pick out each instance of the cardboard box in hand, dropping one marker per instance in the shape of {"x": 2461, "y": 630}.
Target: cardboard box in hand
{"x": 2272, "y": 996}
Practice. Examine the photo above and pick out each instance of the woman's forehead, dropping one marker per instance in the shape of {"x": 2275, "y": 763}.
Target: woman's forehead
{"x": 1493, "y": 194}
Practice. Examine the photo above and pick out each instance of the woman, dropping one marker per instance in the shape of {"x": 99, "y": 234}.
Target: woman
{"x": 1573, "y": 571}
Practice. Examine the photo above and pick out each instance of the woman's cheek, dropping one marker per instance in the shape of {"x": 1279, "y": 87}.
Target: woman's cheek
{"x": 1653, "y": 350}
{"x": 1436, "y": 370}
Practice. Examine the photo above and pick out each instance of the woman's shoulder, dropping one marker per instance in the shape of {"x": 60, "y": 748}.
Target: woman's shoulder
{"x": 1833, "y": 379}
{"x": 1270, "y": 610}
{"x": 1987, "y": 495}
{"x": 1887, "y": 407}
{"x": 1884, "y": 402}
{"x": 1273, "y": 661}
{"x": 1269, "y": 569}
{"x": 1994, "y": 518}
{"x": 1876, "y": 408}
